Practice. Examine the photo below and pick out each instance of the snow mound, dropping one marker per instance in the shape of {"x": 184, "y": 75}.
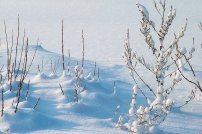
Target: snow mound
{"x": 50, "y": 106}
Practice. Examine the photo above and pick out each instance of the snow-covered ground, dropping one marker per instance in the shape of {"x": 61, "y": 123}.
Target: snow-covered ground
{"x": 57, "y": 113}
{"x": 105, "y": 23}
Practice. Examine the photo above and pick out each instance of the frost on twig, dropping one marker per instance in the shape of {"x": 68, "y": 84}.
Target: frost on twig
{"x": 78, "y": 74}
{"x": 145, "y": 27}
{"x": 120, "y": 121}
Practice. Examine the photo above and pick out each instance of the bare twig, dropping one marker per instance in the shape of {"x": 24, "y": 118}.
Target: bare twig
{"x": 8, "y": 60}
{"x": 82, "y": 51}
{"x": 2, "y": 94}
{"x": 2, "y": 102}
{"x": 98, "y": 73}
{"x": 94, "y": 72}
{"x": 26, "y": 96}
{"x": 36, "y": 103}
{"x": 68, "y": 64}
{"x": 61, "y": 89}
{"x": 63, "y": 59}
{"x": 191, "y": 97}
{"x": 16, "y": 47}
{"x": 197, "y": 84}
{"x": 22, "y": 48}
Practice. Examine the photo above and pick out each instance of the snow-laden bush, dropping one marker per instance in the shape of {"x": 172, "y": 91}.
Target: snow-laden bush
{"x": 145, "y": 118}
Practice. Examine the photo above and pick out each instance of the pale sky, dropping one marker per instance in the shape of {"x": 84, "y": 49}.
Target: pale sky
{"x": 104, "y": 23}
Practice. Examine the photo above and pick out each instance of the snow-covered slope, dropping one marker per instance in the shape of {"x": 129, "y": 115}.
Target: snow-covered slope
{"x": 50, "y": 109}
{"x": 56, "y": 112}
{"x": 95, "y": 111}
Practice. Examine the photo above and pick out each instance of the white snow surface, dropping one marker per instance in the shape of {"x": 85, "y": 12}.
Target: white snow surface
{"x": 94, "y": 113}
{"x": 105, "y": 23}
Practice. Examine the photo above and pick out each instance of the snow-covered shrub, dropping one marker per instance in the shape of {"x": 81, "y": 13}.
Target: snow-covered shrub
{"x": 78, "y": 75}
{"x": 145, "y": 118}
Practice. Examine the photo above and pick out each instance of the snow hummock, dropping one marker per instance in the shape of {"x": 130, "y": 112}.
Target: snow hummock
{"x": 98, "y": 109}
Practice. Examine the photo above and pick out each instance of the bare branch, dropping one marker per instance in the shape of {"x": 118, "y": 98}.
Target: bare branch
{"x": 63, "y": 62}
{"x": 36, "y": 103}
{"x": 61, "y": 89}
{"x": 82, "y": 51}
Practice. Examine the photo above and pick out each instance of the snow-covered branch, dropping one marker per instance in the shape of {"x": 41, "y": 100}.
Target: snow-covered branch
{"x": 143, "y": 118}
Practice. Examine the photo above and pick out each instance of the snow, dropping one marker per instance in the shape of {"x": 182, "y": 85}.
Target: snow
{"x": 100, "y": 105}
{"x": 144, "y": 11}
{"x": 57, "y": 113}
{"x": 183, "y": 51}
